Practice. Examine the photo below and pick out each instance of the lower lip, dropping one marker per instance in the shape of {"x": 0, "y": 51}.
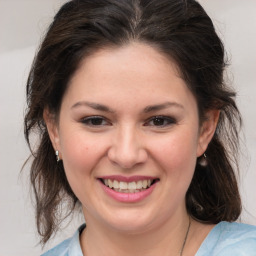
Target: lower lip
{"x": 128, "y": 197}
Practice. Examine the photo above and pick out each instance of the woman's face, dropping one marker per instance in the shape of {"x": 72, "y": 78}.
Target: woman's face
{"x": 129, "y": 137}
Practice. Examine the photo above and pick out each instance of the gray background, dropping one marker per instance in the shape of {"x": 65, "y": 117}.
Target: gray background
{"x": 22, "y": 23}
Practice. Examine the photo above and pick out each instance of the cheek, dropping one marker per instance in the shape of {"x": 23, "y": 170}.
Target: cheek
{"x": 81, "y": 153}
{"x": 80, "y": 156}
{"x": 177, "y": 153}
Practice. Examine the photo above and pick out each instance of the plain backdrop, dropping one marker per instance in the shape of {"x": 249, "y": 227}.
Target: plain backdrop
{"x": 22, "y": 23}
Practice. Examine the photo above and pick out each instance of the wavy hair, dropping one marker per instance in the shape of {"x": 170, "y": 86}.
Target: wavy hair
{"x": 181, "y": 30}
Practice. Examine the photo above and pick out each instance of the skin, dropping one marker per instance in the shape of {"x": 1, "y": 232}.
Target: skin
{"x": 126, "y": 139}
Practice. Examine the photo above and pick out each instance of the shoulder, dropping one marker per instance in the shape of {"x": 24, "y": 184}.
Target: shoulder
{"x": 237, "y": 233}
{"x": 69, "y": 247}
{"x": 60, "y": 250}
{"x": 226, "y": 238}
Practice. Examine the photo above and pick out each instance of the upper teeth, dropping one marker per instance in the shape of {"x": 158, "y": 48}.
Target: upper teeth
{"x": 127, "y": 185}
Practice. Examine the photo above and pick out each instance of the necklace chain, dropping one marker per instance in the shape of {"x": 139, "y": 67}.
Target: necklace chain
{"x": 185, "y": 240}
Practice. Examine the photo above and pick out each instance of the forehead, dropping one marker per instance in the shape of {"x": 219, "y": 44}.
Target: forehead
{"x": 132, "y": 60}
{"x": 136, "y": 70}
{"x": 135, "y": 53}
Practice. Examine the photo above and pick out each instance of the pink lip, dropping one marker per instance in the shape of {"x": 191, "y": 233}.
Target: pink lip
{"x": 128, "y": 197}
{"x": 127, "y": 179}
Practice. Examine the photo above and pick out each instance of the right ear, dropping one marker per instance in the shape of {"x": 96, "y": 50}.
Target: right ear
{"x": 52, "y": 128}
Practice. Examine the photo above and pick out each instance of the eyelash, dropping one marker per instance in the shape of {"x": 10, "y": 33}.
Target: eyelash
{"x": 163, "y": 121}
{"x": 90, "y": 119}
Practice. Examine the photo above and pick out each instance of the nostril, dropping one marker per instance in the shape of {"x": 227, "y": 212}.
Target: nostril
{"x": 127, "y": 159}
{"x": 126, "y": 151}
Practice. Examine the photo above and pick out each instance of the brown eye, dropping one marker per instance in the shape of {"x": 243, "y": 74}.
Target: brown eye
{"x": 95, "y": 121}
{"x": 160, "y": 121}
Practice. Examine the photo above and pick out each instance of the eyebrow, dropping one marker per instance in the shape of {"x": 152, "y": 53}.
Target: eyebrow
{"x": 147, "y": 109}
{"x": 93, "y": 105}
{"x": 162, "y": 106}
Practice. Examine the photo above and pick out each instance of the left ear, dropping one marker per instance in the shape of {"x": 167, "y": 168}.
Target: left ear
{"x": 207, "y": 130}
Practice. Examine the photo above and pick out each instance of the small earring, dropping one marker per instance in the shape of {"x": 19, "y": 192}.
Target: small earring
{"x": 203, "y": 161}
{"x": 57, "y": 156}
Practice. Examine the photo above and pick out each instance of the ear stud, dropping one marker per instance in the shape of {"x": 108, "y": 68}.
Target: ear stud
{"x": 203, "y": 160}
{"x": 57, "y": 156}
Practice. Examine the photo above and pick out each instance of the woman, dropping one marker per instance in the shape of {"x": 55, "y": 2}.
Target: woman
{"x": 137, "y": 126}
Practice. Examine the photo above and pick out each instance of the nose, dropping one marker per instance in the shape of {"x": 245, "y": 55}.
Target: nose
{"x": 127, "y": 149}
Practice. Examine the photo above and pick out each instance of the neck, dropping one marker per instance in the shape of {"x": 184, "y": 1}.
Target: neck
{"x": 165, "y": 240}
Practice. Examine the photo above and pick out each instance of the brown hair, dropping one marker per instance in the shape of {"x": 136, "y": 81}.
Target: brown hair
{"x": 180, "y": 29}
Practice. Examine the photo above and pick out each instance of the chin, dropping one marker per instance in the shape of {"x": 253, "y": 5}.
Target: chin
{"x": 131, "y": 221}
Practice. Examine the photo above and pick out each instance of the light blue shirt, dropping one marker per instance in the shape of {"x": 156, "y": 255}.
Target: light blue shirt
{"x": 225, "y": 239}
{"x": 229, "y": 239}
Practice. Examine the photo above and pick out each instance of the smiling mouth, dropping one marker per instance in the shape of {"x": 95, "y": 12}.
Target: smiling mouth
{"x": 129, "y": 187}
